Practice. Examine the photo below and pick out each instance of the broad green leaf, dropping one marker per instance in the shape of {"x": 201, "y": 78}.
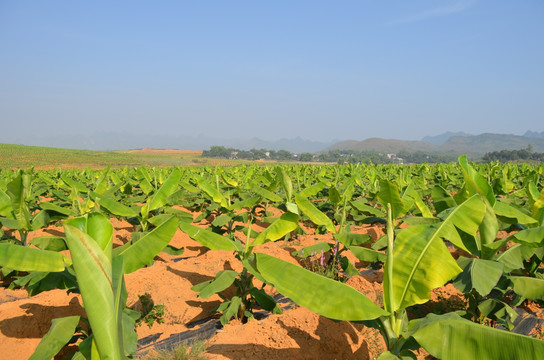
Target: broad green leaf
{"x": 489, "y": 227}
{"x": 474, "y": 182}
{"x": 361, "y": 206}
{"x": 172, "y": 250}
{"x": 212, "y": 192}
{"x": 278, "y": 229}
{"x": 246, "y": 203}
{"x": 102, "y": 182}
{"x": 228, "y": 180}
{"x": 231, "y": 311}
{"x": 442, "y": 200}
{"x": 348, "y": 267}
{"x": 312, "y": 190}
{"x": 348, "y": 238}
{"x": 180, "y": 214}
{"x": 207, "y": 238}
{"x": 466, "y": 217}
{"x": 36, "y": 281}
{"x": 531, "y": 288}
{"x": 144, "y": 180}
{"x": 128, "y": 339}
{"x": 451, "y": 337}
{"x": 98, "y": 227}
{"x": 40, "y": 220}
{"x": 421, "y": 263}
{"x": 5, "y": 204}
{"x": 167, "y": 188}
{"x": 482, "y": 275}
{"x": 404, "y": 355}
{"x": 286, "y": 183}
{"x": 510, "y": 212}
{"x": 12, "y": 224}
{"x": 157, "y": 220}
{"x": 222, "y": 280}
{"x": 532, "y": 192}
{"x": 112, "y": 206}
{"x": 16, "y": 191}
{"x": 530, "y": 237}
{"x": 496, "y": 309}
{"x": 94, "y": 275}
{"x": 60, "y": 332}
{"x": 52, "y": 243}
{"x": 513, "y": 257}
{"x": 419, "y": 220}
{"x": 411, "y": 195}
{"x": 29, "y": 259}
{"x": 334, "y": 195}
{"x": 267, "y": 194}
{"x": 74, "y": 184}
{"x": 389, "y": 194}
{"x": 128, "y": 332}
{"x": 221, "y": 220}
{"x": 54, "y": 207}
{"x": 314, "y": 213}
{"x": 366, "y": 254}
{"x": 265, "y": 301}
{"x": 292, "y": 207}
{"x": 538, "y": 208}
{"x": 319, "y": 294}
{"x": 189, "y": 187}
{"x": 144, "y": 250}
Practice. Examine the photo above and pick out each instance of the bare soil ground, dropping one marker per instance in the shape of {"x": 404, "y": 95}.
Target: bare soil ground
{"x": 165, "y": 151}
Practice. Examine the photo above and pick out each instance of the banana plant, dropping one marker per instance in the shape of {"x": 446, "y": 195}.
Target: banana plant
{"x": 15, "y": 207}
{"x": 491, "y": 272}
{"x": 344, "y": 239}
{"x": 99, "y": 270}
{"x": 417, "y": 262}
{"x": 157, "y": 200}
{"x": 247, "y": 296}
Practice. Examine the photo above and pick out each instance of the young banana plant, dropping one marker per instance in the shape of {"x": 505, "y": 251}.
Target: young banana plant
{"x": 99, "y": 270}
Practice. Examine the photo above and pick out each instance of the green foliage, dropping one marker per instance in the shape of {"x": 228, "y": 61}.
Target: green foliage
{"x": 149, "y": 312}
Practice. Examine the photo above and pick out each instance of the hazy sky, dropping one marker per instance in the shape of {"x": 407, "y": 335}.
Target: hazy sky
{"x": 272, "y": 69}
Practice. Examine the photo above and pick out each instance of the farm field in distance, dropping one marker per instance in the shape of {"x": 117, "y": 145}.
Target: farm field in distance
{"x": 402, "y": 255}
{"x": 23, "y": 156}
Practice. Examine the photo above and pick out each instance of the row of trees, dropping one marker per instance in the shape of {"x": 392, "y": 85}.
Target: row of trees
{"x": 253, "y": 154}
{"x": 514, "y": 155}
{"x": 336, "y": 156}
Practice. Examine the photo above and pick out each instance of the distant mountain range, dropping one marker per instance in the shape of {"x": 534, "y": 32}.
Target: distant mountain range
{"x": 534, "y": 134}
{"x": 448, "y": 143}
{"x": 454, "y": 143}
{"x": 442, "y": 138}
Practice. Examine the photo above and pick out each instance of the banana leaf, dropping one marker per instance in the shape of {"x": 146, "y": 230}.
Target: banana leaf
{"x": 451, "y": 337}
{"x": 60, "y": 332}
{"x": 29, "y": 259}
{"x": 278, "y": 229}
{"x": 314, "y": 213}
{"x": 319, "y": 294}
{"x": 94, "y": 275}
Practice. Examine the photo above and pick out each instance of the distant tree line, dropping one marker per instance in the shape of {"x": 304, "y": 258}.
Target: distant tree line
{"x": 336, "y": 156}
{"x": 253, "y": 154}
{"x": 514, "y": 155}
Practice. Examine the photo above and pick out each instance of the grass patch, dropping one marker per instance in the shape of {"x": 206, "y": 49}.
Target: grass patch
{"x": 195, "y": 351}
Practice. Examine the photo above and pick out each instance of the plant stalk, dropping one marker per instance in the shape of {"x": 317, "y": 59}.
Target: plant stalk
{"x": 389, "y": 269}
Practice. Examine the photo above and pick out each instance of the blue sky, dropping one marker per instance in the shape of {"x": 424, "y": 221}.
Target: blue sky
{"x": 321, "y": 70}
